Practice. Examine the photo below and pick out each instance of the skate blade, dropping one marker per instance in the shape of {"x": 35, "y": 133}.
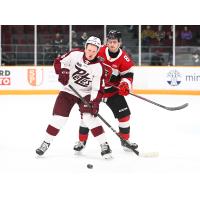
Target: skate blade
{"x": 37, "y": 156}
{"x": 77, "y": 153}
{"x": 107, "y": 156}
{"x": 126, "y": 149}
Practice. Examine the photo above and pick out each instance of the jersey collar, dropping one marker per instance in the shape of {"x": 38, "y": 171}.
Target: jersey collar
{"x": 112, "y": 59}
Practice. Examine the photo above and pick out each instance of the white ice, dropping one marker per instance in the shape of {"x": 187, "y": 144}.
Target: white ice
{"x": 61, "y": 175}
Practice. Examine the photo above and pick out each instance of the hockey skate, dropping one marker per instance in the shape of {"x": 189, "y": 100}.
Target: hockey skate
{"x": 106, "y": 151}
{"x": 42, "y": 149}
{"x": 128, "y": 147}
{"x": 79, "y": 146}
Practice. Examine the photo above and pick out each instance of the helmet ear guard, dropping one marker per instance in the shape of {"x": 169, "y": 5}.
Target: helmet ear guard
{"x": 93, "y": 40}
{"x": 114, "y": 34}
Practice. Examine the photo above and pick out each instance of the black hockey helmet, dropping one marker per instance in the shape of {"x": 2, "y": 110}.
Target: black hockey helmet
{"x": 114, "y": 34}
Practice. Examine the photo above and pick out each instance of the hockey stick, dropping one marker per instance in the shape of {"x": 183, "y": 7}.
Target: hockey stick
{"x": 162, "y": 106}
{"x": 149, "y": 154}
{"x": 157, "y": 104}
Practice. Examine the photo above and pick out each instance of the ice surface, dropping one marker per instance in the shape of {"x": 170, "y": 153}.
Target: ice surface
{"x": 61, "y": 175}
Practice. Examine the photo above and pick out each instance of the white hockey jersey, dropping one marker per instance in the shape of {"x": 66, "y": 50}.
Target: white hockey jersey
{"x": 85, "y": 76}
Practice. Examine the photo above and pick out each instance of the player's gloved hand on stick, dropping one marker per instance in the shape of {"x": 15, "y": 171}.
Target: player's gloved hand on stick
{"x": 123, "y": 89}
{"x": 64, "y": 76}
{"x": 93, "y": 109}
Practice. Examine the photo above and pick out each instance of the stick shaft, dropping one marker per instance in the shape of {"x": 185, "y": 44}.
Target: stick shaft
{"x": 155, "y": 103}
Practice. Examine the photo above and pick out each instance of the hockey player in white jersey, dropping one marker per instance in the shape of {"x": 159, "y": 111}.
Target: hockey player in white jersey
{"x": 84, "y": 72}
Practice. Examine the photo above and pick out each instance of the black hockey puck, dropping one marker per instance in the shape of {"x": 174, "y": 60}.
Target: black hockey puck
{"x": 89, "y": 166}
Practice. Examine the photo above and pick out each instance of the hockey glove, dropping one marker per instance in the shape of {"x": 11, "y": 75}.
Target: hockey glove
{"x": 93, "y": 109}
{"x": 123, "y": 89}
{"x": 64, "y": 76}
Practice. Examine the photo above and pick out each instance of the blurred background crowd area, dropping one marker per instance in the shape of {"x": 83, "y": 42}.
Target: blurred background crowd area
{"x": 148, "y": 45}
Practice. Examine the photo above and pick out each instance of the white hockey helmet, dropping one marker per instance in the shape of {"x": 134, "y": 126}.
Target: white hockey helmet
{"x": 94, "y": 40}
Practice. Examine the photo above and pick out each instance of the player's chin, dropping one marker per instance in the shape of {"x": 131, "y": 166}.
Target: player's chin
{"x": 91, "y": 58}
{"x": 113, "y": 49}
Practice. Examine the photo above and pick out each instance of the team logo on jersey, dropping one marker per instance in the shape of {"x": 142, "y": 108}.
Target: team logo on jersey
{"x": 87, "y": 62}
{"x": 108, "y": 74}
{"x": 35, "y": 76}
{"x": 81, "y": 77}
{"x": 173, "y": 78}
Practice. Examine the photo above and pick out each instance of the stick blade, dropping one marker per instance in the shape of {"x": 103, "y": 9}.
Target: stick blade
{"x": 177, "y": 108}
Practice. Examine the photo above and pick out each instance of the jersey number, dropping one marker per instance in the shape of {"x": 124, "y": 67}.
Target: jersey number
{"x": 126, "y": 58}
